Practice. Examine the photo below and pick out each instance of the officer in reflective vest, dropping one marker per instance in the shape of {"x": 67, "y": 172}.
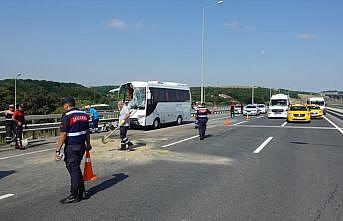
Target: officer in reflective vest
{"x": 9, "y": 124}
{"x": 74, "y": 134}
{"x": 201, "y": 116}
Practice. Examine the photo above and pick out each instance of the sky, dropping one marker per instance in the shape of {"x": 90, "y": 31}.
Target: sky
{"x": 295, "y": 44}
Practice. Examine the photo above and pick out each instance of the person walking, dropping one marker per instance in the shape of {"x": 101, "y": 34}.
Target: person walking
{"x": 9, "y": 124}
{"x": 124, "y": 123}
{"x": 19, "y": 120}
{"x": 202, "y": 118}
{"x": 232, "y": 110}
{"x": 74, "y": 134}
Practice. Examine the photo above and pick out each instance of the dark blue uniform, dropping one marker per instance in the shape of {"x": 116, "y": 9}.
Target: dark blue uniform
{"x": 202, "y": 119}
{"x": 76, "y": 124}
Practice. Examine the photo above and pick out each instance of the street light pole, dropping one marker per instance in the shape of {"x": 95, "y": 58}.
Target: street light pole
{"x": 202, "y": 90}
{"x": 253, "y": 78}
{"x": 15, "y": 90}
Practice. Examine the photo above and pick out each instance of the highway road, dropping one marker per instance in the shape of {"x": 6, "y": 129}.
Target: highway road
{"x": 258, "y": 169}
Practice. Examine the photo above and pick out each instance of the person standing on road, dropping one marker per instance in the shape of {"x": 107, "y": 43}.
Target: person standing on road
{"x": 242, "y": 108}
{"x": 232, "y": 110}
{"x": 124, "y": 123}
{"x": 94, "y": 117}
{"x": 201, "y": 117}
{"x": 9, "y": 124}
{"x": 74, "y": 134}
{"x": 19, "y": 120}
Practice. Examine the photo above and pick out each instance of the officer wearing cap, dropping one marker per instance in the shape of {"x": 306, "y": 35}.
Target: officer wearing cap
{"x": 74, "y": 134}
{"x": 9, "y": 124}
{"x": 201, "y": 117}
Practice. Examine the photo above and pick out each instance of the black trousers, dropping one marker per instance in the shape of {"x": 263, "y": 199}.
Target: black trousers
{"x": 123, "y": 137}
{"x": 73, "y": 157}
{"x": 232, "y": 114}
{"x": 202, "y": 127}
{"x": 19, "y": 135}
{"x": 10, "y": 130}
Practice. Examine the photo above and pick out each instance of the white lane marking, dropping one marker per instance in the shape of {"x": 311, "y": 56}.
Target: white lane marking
{"x": 24, "y": 154}
{"x": 240, "y": 123}
{"x": 180, "y": 141}
{"x": 333, "y": 124}
{"x": 259, "y": 148}
{"x": 287, "y": 127}
{"x": 6, "y": 196}
{"x": 284, "y": 124}
{"x": 259, "y": 117}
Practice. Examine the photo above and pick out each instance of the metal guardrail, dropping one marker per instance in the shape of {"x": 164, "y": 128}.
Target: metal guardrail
{"x": 337, "y": 112}
{"x": 33, "y": 129}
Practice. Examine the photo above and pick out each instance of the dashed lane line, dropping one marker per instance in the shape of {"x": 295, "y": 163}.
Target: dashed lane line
{"x": 284, "y": 124}
{"x": 6, "y": 196}
{"x": 240, "y": 123}
{"x": 333, "y": 124}
{"x": 260, "y": 148}
{"x": 24, "y": 154}
{"x": 259, "y": 117}
{"x": 286, "y": 127}
{"x": 180, "y": 141}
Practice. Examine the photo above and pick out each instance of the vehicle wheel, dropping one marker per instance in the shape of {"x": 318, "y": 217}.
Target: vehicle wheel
{"x": 179, "y": 120}
{"x": 156, "y": 123}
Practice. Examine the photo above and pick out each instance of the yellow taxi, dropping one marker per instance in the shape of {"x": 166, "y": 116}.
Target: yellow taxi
{"x": 298, "y": 113}
{"x": 315, "y": 111}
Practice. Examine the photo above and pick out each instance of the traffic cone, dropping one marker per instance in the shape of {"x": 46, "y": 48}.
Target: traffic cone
{"x": 227, "y": 122}
{"x": 88, "y": 174}
{"x": 247, "y": 117}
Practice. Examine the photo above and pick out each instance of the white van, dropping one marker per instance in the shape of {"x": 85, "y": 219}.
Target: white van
{"x": 318, "y": 101}
{"x": 278, "y": 106}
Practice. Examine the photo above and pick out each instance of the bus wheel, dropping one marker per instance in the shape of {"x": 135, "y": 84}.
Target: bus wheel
{"x": 179, "y": 120}
{"x": 156, "y": 123}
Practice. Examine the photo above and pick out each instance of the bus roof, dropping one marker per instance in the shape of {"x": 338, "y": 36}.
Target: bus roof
{"x": 170, "y": 85}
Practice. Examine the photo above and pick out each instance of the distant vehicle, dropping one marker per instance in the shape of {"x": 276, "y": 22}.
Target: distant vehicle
{"x": 278, "y": 106}
{"x": 315, "y": 111}
{"x": 263, "y": 108}
{"x": 251, "y": 109}
{"x": 298, "y": 113}
{"x": 238, "y": 109}
{"x": 153, "y": 103}
{"x": 318, "y": 101}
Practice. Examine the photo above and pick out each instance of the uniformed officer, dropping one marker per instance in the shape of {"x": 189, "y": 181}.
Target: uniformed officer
{"x": 74, "y": 134}
{"x": 19, "y": 119}
{"x": 9, "y": 124}
{"x": 124, "y": 123}
{"x": 201, "y": 116}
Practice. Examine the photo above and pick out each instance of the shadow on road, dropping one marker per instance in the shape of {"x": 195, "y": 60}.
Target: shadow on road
{"x": 107, "y": 184}
{"x": 6, "y": 173}
{"x": 314, "y": 144}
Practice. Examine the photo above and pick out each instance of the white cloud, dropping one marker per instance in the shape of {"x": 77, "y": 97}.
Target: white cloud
{"x": 307, "y": 37}
{"x": 235, "y": 25}
{"x": 116, "y": 23}
{"x": 232, "y": 24}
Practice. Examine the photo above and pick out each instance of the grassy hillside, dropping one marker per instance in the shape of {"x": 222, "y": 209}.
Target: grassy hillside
{"x": 44, "y": 97}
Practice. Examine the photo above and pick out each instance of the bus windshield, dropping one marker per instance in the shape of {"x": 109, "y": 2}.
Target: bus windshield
{"x": 279, "y": 102}
{"x": 138, "y": 98}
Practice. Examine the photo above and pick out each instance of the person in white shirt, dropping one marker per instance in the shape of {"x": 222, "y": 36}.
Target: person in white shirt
{"x": 124, "y": 123}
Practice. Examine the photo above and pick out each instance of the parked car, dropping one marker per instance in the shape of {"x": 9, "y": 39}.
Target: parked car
{"x": 251, "y": 109}
{"x": 263, "y": 108}
{"x": 238, "y": 109}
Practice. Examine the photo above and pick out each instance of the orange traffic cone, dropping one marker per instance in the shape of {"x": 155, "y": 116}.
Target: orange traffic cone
{"x": 227, "y": 122}
{"x": 88, "y": 174}
{"x": 247, "y": 117}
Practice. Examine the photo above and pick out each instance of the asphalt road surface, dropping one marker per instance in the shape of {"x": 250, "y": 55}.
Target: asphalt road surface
{"x": 258, "y": 169}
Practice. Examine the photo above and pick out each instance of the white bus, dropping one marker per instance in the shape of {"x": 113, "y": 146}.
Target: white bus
{"x": 153, "y": 103}
{"x": 318, "y": 101}
{"x": 278, "y": 106}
